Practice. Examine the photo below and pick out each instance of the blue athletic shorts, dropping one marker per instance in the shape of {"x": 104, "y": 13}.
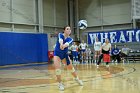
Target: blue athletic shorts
{"x": 62, "y": 55}
{"x": 74, "y": 53}
{"x": 83, "y": 50}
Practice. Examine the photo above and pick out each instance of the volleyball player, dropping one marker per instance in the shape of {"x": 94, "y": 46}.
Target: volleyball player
{"x": 116, "y": 54}
{"x": 61, "y": 54}
{"x": 125, "y": 51}
{"x": 106, "y": 50}
{"x": 74, "y": 49}
{"x": 83, "y": 47}
{"x": 97, "y": 49}
{"x": 88, "y": 55}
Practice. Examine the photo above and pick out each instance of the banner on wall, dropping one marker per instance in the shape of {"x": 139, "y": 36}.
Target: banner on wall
{"x": 116, "y": 36}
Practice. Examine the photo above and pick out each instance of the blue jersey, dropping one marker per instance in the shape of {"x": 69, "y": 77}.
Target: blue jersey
{"x": 115, "y": 51}
{"x": 68, "y": 40}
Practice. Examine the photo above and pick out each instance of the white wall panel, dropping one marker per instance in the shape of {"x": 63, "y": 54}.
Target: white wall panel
{"x": 116, "y": 11}
{"x": 91, "y": 11}
{"x": 55, "y": 12}
{"x": 5, "y": 10}
{"x": 61, "y": 12}
{"x": 48, "y": 12}
{"x": 113, "y": 11}
{"x": 24, "y": 11}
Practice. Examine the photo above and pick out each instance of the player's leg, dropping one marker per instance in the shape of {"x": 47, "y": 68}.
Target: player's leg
{"x": 99, "y": 60}
{"x": 57, "y": 66}
{"x": 82, "y": 55}
{"x": 108, "y": 60}
{"x": 76, "y": 57}
{"x": 73, "y": 55}
{"x": 97, "y": 54}
{"x": 95, "y": 57}
{"x": 72, "y": 70}
{"x": 118, "y": 58}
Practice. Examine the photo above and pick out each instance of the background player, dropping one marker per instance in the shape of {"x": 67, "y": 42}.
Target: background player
{"x": 116, "y": 54}
{"x": 106, "y": 50}
{"x": 97, "y": 49}
{"x": 74, "y": 49}
{"x": 83, "y": 47}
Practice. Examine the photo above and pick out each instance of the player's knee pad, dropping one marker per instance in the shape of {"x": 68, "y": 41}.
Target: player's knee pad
{"x": 72, "y": 70}
{"x": 58, "y": 71}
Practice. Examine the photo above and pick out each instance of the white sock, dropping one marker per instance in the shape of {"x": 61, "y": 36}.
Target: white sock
{"x": 77, "y": 78}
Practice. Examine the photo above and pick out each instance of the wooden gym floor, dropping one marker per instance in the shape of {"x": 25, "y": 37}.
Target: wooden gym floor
{"x": 120, "y": 78}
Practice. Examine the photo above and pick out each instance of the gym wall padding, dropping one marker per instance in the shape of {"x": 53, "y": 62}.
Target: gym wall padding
{"x": 23, "y": 48}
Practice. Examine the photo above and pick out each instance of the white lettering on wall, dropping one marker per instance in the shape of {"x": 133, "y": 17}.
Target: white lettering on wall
{"x": 116, "y": 36}
{"x": 113, "y": 37}
{"x": 130, "y": 35}
{"x": 103, "y": 36}
{"x": 138, "y": 36}
{"x": 122, "y": 37}
{"x": 92, "y": 37}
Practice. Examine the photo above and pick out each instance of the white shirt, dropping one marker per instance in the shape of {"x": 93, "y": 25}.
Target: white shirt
{"x": 125, "y": 50}
{"x": 97, "y": 46}
{"x": 106, "y": 47}
{"x": 74, "y": 47}
{"x": 83, "y": 46}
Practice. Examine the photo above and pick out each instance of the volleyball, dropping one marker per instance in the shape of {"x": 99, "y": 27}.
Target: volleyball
{"x": 82, "y": 24}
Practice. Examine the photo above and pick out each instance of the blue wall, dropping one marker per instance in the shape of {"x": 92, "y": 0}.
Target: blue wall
{"x": 22, "y": 48}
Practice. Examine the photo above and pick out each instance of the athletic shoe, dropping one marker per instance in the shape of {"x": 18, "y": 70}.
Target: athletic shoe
{"x": 61, "y": 86}
{"x": 107, "y": 66}
{"x": 97, "y": 66}
{"x": 80, "y": 82}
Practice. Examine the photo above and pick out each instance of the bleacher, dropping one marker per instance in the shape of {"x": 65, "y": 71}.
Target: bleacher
{"x": 134, "y": 56}
{"x": 134, "y": 53}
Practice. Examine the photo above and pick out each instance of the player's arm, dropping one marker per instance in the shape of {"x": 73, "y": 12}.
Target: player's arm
{"x": 60, "y": 40}
{"x": 110, "y": 48}
{"x": 86, "y": 45}
{"x": 77, "y": 49}
{"x": 100, "y": 47}
{"x": 79, "y": 46}
{"x": 68, "y": 43}
{"x": 71, "y": 48}
{"x": 94, "y": 45}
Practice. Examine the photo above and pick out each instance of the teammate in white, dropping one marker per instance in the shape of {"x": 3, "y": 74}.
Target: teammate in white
{"x": 74, "y": 49}
{"x": 83, "y": 47}
{"x": 88, "y": 53}
{"x": 97, "y": 49}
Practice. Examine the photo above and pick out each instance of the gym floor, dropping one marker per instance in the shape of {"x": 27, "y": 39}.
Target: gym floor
{"x": 120, "y": 78}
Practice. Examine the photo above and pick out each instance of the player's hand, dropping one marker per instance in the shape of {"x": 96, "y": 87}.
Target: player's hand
{"x": 61, "y": 47}
{"x": 64, "y": 46}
